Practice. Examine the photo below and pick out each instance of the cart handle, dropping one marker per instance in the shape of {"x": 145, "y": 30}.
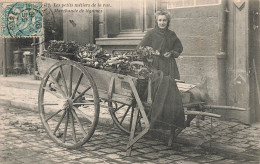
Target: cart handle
{"x": 223, "y": 107}
{"x": 203, "y": 105}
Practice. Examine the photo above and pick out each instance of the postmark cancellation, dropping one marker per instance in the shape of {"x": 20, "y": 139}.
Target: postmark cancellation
{"x": 21, "y": 19}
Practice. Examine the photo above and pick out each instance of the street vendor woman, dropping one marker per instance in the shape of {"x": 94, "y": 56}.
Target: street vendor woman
{"x": 166, "y": 42}
{"x": 167, "y": 109}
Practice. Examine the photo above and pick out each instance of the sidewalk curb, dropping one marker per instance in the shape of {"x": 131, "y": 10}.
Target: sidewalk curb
{"x": 20, "y": 83}
{"x": 5, "y": 102}
{"x": 34, "y": 108}
{"x": 109, "y": 123}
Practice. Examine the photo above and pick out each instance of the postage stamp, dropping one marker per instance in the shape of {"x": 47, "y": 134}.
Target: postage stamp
{"x": 21, "y": 19}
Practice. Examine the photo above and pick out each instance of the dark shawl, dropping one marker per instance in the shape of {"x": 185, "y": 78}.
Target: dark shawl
{"x": 164, "y": 40}
{"x": 167, "y": 109}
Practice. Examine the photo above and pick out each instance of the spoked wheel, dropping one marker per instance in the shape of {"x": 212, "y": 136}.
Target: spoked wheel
{"x": 68, "y": 103}
{"x": 122, "y": 116}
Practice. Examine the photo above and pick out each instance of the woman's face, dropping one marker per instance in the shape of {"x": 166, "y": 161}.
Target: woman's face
{"x": 162, "y": 21}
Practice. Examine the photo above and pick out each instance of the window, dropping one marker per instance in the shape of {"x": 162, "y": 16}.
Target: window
{"x": 171, "y": 4}
{"x": 130, "y": 16}
{"x": 137, "y": 15}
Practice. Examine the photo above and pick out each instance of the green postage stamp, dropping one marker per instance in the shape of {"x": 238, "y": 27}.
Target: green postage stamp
{"x": 21, "y": 19}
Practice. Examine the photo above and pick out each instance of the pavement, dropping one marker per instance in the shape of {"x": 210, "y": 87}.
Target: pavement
{"x": 225, "y": 140}
{"x": 23, "y": 141}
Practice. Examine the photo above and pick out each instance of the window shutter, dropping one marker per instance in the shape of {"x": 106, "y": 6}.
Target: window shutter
{"x": 113, "y": 18}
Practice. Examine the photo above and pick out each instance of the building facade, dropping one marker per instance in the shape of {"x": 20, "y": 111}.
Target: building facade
{"x": 220, "y": 39}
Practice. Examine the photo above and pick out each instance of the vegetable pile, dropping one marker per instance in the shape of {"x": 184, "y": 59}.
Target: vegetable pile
{"x": 61, "y": 46}
{"x": 93, "y": 55}
{"x": 119, "y": 64}
{"x": 147, "y": 52}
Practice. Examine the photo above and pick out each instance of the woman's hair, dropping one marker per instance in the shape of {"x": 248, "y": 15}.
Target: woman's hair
{"x": 162, "y": 12}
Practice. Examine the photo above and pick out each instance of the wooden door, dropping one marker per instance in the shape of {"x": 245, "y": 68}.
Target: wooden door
{"x": 78, "y": 27}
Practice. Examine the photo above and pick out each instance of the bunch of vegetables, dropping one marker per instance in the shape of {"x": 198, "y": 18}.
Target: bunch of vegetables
{"x": 92, "y": 55}
{"x": 61, "y": 46}
{"x": 147, "y": 52}
{"x": 118, "y": 63}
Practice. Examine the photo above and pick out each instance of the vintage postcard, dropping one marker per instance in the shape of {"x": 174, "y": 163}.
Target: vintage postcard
{"x": 129, "y": 81}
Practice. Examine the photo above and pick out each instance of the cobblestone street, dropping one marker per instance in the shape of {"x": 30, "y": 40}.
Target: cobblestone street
{"x": 23, "y": 140}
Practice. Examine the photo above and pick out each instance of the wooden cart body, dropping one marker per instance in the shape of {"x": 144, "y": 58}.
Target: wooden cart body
{"x": 113, "y": 87}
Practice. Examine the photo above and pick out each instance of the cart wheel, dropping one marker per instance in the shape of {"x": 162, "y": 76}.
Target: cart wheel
{"x": 68, "y": 103}
{"x": 122, "y": 116}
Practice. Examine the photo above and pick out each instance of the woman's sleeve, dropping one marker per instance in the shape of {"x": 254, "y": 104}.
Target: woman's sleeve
{"x": 146, "y": 41}
{"x": 177, "y": 48}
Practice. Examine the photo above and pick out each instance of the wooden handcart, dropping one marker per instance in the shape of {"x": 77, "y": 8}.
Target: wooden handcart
{"x": 71, "y": 94}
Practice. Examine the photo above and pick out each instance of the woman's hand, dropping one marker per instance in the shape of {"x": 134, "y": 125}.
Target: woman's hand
{"x": 167, "y": 54}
